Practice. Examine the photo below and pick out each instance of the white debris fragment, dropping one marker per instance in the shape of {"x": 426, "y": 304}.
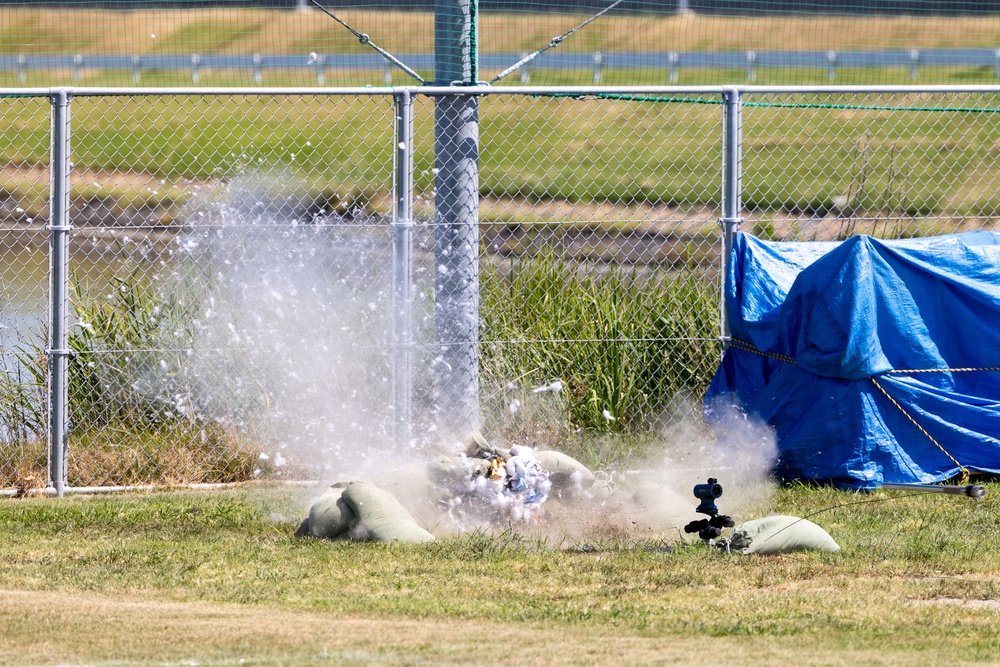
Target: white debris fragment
{"x": 554, "y": 387}
{"x": 509, "y": 486}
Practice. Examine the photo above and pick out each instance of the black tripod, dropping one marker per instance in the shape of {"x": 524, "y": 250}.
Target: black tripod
{"x": 711, "y": 528}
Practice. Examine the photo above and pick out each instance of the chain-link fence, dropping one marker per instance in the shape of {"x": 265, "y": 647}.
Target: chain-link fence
{"x": 886, "y": 164}
{"x": 264, "y": 283}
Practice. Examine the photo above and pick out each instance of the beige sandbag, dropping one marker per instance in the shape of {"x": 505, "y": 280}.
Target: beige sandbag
{"x": 329, "y": 516}
{"x": 380, "y": 515}
{"x": 565, "y": 472}
{"x": 449, "y": 472}
{"x": 303, "y": 529}
{"x": 777, "y": 535}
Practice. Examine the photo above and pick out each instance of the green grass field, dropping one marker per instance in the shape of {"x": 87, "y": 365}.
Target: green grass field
{"x": 241, "y": 31}
{"x": 217, "y": 579}
{"x": 883, "y": 156}
{"x": 249, "y": 30}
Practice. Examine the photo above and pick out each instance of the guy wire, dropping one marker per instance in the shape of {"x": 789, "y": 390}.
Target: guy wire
{"x": 365, "y": 39}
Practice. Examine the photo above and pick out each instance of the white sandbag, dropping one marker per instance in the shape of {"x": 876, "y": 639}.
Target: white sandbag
{"x": 380, "y": 516}
{"x": 454, "y": 472}
{"x": 777, "y": 535}
{"x": 565, "y": 472}
{"x": 329, "y": 516}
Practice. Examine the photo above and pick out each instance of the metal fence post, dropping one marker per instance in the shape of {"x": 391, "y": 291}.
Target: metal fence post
{"x": 59, "y": 229}
{"x": 321, "y": 70}
{"x": 195, "y": 68}
{"x": 732, "y": 189}
{"x": 402, "y": 277}
{"x": 258, "y": 68}
{"x": 456, "y": 219}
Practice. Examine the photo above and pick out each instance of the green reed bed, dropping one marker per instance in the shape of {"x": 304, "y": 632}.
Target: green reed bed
{"x": 622, "y": 343}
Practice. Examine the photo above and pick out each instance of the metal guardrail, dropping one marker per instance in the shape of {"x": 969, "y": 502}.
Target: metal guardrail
{"x": 670, "y": 61}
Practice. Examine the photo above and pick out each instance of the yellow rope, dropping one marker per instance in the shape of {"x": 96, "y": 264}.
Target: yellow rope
{"x": 749, "y": 347}
{"x": 965, "y": 472}
{"x": 941, "y": 370}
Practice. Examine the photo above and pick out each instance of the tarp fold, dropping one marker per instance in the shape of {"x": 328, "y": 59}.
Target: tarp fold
{"x": 819, "y": 327}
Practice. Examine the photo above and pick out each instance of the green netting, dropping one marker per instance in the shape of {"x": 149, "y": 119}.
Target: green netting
{"x": 628, "y": 42}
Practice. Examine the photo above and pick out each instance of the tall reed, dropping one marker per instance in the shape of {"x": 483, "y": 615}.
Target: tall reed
{"x": 621, "y": 342}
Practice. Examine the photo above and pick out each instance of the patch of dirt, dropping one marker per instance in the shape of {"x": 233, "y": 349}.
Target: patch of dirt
{"x": 139, "y": 628}
{"x": 993, "y": 605}
{"x": 639, "y": 234}
{"x": 38, "y": 175}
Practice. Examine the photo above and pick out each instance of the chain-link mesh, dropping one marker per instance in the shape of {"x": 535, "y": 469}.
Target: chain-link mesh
{"x": 599, "y": 258}
{"x": 24, "y": 128}
{"x": 824, "y": 167}
{"x": 230, "y": 281}
{"x": 233, "y": 267}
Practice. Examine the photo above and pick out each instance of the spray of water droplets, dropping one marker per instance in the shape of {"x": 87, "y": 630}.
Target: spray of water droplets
{"x": 291, "y": 344}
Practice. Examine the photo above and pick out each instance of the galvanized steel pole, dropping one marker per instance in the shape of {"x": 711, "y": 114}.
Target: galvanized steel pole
{"x": 59, "y": 228}
{"x": 732, "y": 190}
{"x": 456, "y": 219}
{"x": 402, "y": 276}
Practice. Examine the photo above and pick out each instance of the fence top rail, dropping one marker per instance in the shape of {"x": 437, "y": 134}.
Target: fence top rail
{"x": 697, "y": 90}
{"x": 483, "y": 90}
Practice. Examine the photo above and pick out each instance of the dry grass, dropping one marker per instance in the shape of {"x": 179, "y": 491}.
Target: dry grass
{"x": 175, "y": 455}
{"x": 144, "y": 629}
{"x": 217, "y": 579}
{"x": 207, "y": 31}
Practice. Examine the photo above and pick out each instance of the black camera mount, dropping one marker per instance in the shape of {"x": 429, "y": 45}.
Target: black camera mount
{"x": 711, "y": 528}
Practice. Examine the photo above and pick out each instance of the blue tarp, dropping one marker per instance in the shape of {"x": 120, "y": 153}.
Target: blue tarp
{"x": 841, "y": 319}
